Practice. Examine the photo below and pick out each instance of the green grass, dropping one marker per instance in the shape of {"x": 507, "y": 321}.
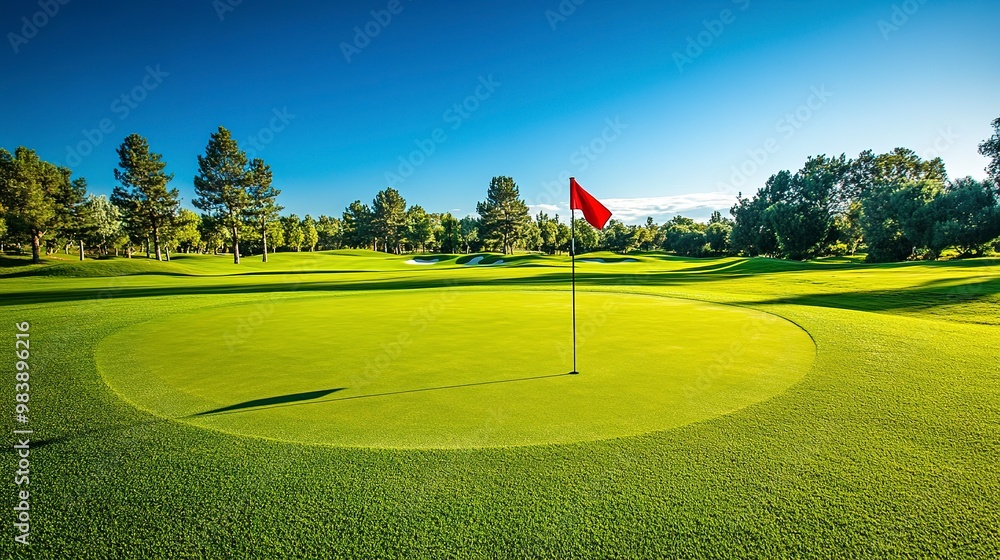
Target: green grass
{"x": 454, "y": 368}
{"x": 887, "y": 446}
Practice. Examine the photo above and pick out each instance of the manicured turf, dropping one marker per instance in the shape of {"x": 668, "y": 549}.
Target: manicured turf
{"x": 455, "y": 368}
{"x": 887, "y": 447}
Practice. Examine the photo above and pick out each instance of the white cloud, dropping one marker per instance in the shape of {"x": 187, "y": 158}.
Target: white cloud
{"x": 695, "y": 205}
{"x": 547, "y": 208}
{"x": 635, "y": 210}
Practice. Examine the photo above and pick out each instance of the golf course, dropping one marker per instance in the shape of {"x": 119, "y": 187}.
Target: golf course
{"x": 354, "y": 404}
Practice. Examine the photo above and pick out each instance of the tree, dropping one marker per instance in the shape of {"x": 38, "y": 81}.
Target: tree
{"x": 295, "y": 236}
{"x": 98, "y": 224}
{"x": 182, "y": 232}
{"x": 503, "y": 214}
{"x": 692, "y": 243}
{"x": 531, "y": 237}
{"x": 81, "y": 227}
{"x": 619, "y": 237}
{"x": 222, "y": 185}
{"x": 919, "y": 211}
{"x": 451, "y": 234}
{"x": 357, "y": 225}
{"x": 548, "y": 233}
{"x": 846, "y": 233}
{"x": 880, "y": 224}
{"x": 263, "y": 208}
{"x": 685, "y": 237}
{"x": 900, "y": 220}
{"x": 650, "y": 236}
{"x": 970, "y": 216}
{"x": 469, "y": 232}
{"x": 389, "y": 219}
{"x": 564, "y": 235}
{"x": 587, "y": 237}
{"x": 276, "y": 233}
{"x": 802, "y": 220}
{"x": 110, "y": 228}
{"x": 310, "y": 236}
{"x": 991, "y": 149}
{"x": 752, "y": 233}
{"x": 213, "y": 233}
{"x": 717, "y": 236}
{"x": 330, "y": 233}
{"x": 419, "y": 228}
{"x": 142, "y": 195}
{"x": 37, "y": 196}
{"x": 903, "y": 165}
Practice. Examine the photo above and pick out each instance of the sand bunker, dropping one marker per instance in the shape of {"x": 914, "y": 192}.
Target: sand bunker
{"x": 476, "y": 260}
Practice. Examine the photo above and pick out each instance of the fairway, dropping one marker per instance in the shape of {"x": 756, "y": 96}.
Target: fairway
{"x": 454, "y": 368}
{"x": 372, "y": 408}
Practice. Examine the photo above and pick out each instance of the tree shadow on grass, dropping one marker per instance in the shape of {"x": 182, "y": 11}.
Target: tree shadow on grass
{"x": 929, "y": 295}
{"x": 399, "y": 283}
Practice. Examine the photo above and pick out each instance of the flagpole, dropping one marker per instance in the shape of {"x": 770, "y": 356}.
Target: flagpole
{"x": 572, "y": 251}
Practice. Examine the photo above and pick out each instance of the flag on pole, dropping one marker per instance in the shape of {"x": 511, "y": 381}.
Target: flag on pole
{"x": 593, "y": 211}
{"x": 597, "y": 215}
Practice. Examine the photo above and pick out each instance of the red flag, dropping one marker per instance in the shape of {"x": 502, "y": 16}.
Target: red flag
{"x": 593, "y": 211}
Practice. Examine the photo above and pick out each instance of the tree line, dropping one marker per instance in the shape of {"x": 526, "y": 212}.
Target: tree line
{"x": 894, "y": 206}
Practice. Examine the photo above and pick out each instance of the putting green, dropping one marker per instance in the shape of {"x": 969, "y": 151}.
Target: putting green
{"x": 453, "y": 368}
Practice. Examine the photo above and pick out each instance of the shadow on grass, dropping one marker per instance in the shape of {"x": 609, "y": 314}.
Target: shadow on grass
{"x": 935, "y": 293}
{"x": 101, "y": 430}
{"x": 14, "y": 262}
{"x": 301, "y": 399}
{"x": 931, "y": 294}
{"x": 272, "y": 401}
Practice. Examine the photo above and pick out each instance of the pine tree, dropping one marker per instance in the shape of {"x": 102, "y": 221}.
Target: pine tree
{"x": 389, "y": 219}
{"x": 146, "y": 204}
{"x": 264, "y": 207}
{"x": 357, "y": 224}
{"x": 222, "y": 185}
{"x": 503, "y": 215}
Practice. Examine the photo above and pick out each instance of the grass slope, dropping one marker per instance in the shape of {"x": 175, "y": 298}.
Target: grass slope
{"x": 887, "y": 448}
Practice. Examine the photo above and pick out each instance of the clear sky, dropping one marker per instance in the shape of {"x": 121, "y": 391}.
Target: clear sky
{"x": 655, "y": 106}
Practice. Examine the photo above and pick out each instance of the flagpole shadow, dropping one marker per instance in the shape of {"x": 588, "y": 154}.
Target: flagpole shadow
{"x": 316, "y": 397}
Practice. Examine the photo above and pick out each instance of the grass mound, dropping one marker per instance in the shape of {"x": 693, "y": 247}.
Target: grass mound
{"x": 99, "y": 268}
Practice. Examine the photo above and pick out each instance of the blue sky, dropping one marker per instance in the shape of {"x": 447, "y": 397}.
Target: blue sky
{"x": 657, "y": 108}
